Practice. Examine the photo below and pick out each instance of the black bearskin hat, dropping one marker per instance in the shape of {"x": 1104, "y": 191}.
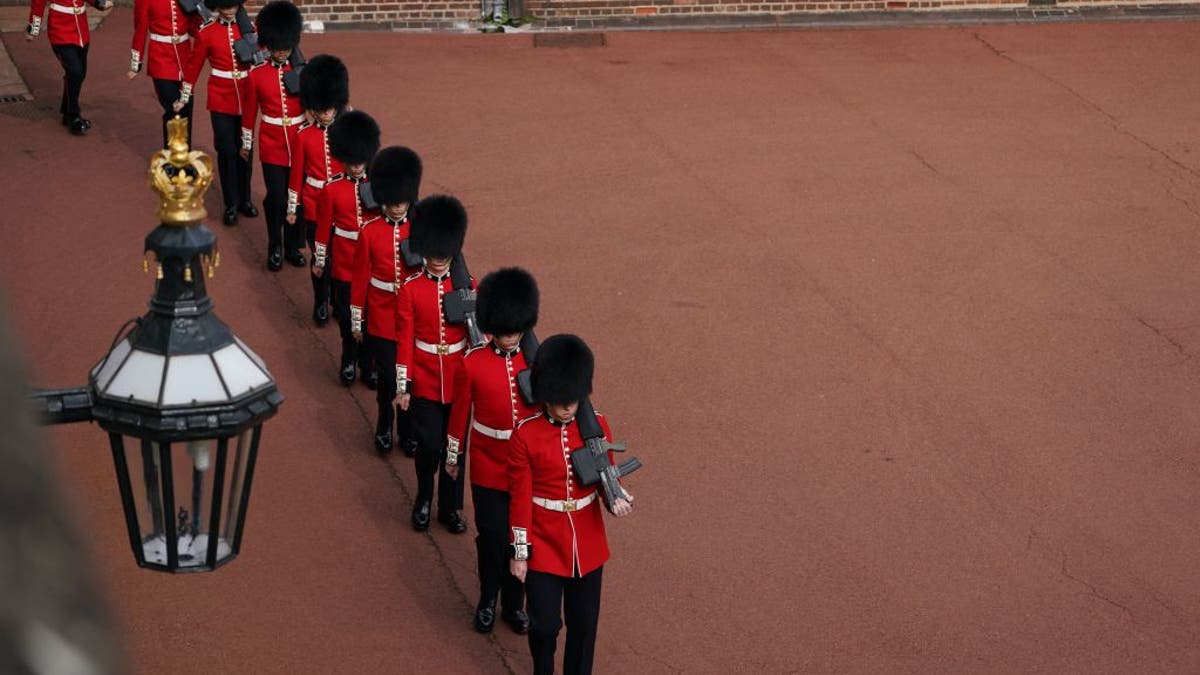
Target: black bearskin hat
{"x": 222, "y": 4}
{"x": 562, "y": 370}
{"x": 395, "y": 176}
{"x": 507, "y": 302}
{"x": 439, "y": 227}
{"x": 279, "y": 24}
{"x": 354, "y": 138}
{"x": 324, "y": 83}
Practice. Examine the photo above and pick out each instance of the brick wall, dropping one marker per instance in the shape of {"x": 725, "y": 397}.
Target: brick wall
{"x": 601, "y": 14}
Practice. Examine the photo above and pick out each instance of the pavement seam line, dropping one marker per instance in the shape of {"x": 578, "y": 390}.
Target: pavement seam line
{"x": 440, "y": 559}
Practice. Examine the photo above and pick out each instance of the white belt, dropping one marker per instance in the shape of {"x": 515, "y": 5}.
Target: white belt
{"x": 282, "y": 121}
{"x": 383, "y": 285}
{"x": 440, "y": 349}
{"x": 229, "y": 74}
{"x": 68, "y": 9}
{"x": 498, "y": 434}
{"x": 564, "y": 505}
{"x": 169, "y": 39}
{"x": 351, "y": 235}
{"x": 314, "y": 182}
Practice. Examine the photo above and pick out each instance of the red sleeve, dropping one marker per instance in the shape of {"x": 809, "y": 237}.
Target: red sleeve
{"x": 37, "y": 8}
{"x": 360, "y": 276}
{"x": 191, "y": 72}
{"x": 194, "y": 24}
{"x": 141, "y": 23}
{"x": 460, "y": 409}
{"x": 324, "y": 217}
{"x": 250, "y": 105}
{"x": 404, "y": 332}
{"x": 296, "y": 175}
{"x": 520, "y": 488}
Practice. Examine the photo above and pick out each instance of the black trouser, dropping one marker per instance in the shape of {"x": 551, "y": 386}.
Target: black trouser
{"x": 321, "y": 284}
{"x": 351, "y": 351}
{"x": 430, "y": 420}
{"x": 168, "y": 92}
{"x": 552, "y": 597}
{"x": 491, "y": 546}
{"x": 382, "y": 355}
{"x": 234, "y": 171}
{"x": 279, "y": 233}
{"x": 73, "y": 60}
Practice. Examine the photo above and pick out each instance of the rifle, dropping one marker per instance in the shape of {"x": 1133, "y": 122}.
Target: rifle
{"x": 459, "y": 306}
{"x": 246, "y": 47}
{"x": 197, "y": 7}
{"x": 291, "y": 79}
{"x": 590, "y": 462}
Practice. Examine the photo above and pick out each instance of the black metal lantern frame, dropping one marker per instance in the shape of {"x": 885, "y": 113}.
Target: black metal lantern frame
{"x": 182, "y": 398}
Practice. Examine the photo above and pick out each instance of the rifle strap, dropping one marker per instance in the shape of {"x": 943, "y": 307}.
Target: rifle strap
{"x": 460, "y": 276}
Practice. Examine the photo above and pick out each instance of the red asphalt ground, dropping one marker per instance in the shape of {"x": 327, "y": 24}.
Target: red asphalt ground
{"x": 902, "y": 323}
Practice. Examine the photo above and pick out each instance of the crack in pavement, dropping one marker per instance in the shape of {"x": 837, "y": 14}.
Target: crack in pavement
{"x": 925, "y": 162}
{"x": 1111, "y": 120}
{"x": 1093, "y": 591}
{"x": 440, "y": 559}
{"x": 1178, "y": 347}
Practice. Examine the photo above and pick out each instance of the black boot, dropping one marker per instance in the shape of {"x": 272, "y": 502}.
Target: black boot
{"x": 383, "y": 442}
{"x": 453, "y": 522}
{"x": 420, "y": 517}
{"x": 230, "y": 217}
{"x": 248, "y": 210}
{"x": 485, "y": 616}
{"x": 518, "y": 621}
{"x": 274, "y": 258}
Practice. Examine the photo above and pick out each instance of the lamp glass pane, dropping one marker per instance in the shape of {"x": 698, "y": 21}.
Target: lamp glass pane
{"x": 239, "y": 456}
{"x": 253, "y": 355}
{"x": 104, "y": 370}
{"x": 139, "y": 378}
{"x": 192, "y": 379}
{"x": 144, "y": 460}
{"x": 241, "y": 374}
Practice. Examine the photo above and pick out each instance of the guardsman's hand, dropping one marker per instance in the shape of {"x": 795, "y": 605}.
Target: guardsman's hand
{"x": 29, "y": 36}
{"x": 623, "y": 506}
{"x": 244, "y": 153}
{"x": 357, "y": 335}
{"x": 291, "y": 219}
{"x": 318, "y": 272}
{"x": 403, "y": 400}
{"x": 132, "y": 74}
{"x": 518, "y": 568}
{"x": 177, "y": 105}
{"x": 452, "y": 471}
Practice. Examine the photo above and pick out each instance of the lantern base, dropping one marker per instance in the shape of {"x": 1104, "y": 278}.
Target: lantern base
{"x": 192, "y": 551}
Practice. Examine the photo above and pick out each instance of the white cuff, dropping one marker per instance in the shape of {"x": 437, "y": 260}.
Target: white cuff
{"x": 293, "y": 202}
{"x": 135, "y": 61}
{"x": 452, "y": 452}
{"x": 35, "y": 26}
{"x": 356, "y": 319}
{"x": 319, "y": 253}
{"x": 520, "y": 544}
{"x": 185, "y": 93}
{"x": 247, "y": 139}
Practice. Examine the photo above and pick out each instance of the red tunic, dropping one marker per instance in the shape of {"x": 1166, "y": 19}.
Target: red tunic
{"x": 565, "y": 543}
{"x": 281, "y": 113}
{"x": 340, "y": 217}
{"x": 67, "y": 22}
{"x": 312, "y": 165}
{"x": 429, "y": 351}
{"x": 226, "y": 81}
{"x": 169, "y": 30}
{"x": 486, "y": 395}
{"x": 378, "y": 259}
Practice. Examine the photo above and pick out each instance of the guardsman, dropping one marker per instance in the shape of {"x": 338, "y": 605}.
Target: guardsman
{"x": 378, "y": 275}
{"x": 162, "y": 44}
{"x": 226, "y": 86}
{"x": 429, "y": 354}
{"x": 486, "y": 408}
{"x": 279, "y": 25}
{"x": 324, "y": 92}
{"x": 70, "y": 39}
{"x": 340, "y": 217}
{"x": 558, "y": 542}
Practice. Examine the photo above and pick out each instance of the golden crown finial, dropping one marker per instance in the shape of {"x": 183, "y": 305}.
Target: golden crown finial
{"x": 180, "y": 176}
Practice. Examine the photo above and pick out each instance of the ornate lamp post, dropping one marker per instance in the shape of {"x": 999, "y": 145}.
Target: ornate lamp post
{"x": 182, "y": 398}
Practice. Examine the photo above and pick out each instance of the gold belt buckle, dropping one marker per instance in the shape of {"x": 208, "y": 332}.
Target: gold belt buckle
{"x": 287, "y": 121}
{"x": 569, "y": 505}
{"x": 443, "y": 349}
